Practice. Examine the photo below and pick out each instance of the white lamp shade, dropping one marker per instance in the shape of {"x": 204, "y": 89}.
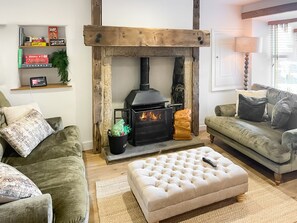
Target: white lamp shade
{"x": 248, "y": 44}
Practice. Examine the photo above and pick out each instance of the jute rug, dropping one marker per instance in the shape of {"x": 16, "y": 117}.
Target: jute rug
{"x": 263, "y": 203}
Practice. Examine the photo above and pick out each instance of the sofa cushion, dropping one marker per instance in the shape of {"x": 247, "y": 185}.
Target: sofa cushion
{"x": 274, "y": 95}
{"x": 60, "y": 144}
{"x": 249, "y": 93}
{"x": 3, "y": 101}
{"x": 3, "y": 143}
{"x": 64, "y": 179}
{"x": 14, "y": 185}
{"x": 250, "y": 108}
{"x": 258, "y": 136}
{"x": 14, "y": 113}
{"x": 281, "y": 113}
{"x": 26, "y": 133}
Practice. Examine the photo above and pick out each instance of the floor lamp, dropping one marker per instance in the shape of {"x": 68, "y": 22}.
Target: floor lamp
{"x": 247, "y": 45}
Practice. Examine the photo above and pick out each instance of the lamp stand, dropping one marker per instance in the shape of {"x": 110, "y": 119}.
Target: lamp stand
{"x": 246, "y": 70}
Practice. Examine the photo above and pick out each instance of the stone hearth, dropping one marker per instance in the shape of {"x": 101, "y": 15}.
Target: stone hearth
{"x": 162, "y": 147}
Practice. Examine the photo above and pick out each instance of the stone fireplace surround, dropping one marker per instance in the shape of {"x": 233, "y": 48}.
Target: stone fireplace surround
{"x": 110, "y": 42}
{"x": 111, "y": 52}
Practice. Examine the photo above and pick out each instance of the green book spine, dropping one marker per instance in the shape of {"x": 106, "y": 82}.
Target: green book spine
{"x": 20, "y": 58}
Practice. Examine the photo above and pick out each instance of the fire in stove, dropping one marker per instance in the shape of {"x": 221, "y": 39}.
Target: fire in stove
{"x": 150, "y": 116}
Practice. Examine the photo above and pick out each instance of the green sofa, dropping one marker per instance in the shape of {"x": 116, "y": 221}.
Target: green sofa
{"x": 57, "y": 168}
{"x": 275, "y": 149}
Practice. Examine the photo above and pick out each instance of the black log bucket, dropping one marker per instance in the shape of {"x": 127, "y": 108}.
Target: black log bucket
{"x": 117, "y": 144}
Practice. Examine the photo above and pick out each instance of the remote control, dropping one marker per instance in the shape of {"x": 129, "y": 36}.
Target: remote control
{"x": 209, "y": 162}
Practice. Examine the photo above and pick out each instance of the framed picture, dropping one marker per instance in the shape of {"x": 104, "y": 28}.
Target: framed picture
{"x": 38, "y": 81}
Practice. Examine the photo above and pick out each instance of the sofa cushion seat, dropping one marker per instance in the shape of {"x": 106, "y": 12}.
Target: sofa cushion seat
{"x": 64, "y": 179}
{"x": 63, "y": 143}
{"x": 258, "y": 136}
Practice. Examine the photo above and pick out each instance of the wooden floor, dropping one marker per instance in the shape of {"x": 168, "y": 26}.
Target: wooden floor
{"x": 97, "y": 169}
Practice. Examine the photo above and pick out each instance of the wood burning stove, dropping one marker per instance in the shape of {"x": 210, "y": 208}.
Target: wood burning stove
{"x": 149, "y": 118}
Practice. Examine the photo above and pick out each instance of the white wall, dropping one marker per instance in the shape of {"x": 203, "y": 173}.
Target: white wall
{"x": 215, "y": 16}
{"x": 261, "y": 64}
{"x": 73, "y": 105}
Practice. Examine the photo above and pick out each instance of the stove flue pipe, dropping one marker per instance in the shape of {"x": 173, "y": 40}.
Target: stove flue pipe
{"x": 144, "y": 73}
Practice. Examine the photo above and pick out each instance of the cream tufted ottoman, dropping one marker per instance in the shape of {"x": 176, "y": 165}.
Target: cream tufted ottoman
{"x": 171, "y": 184}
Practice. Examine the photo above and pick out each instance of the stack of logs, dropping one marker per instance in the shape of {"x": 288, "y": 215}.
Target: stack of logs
{"x": 182, "y": 125}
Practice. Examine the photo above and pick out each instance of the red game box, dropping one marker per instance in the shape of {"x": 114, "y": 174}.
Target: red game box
{"x": 52, "y": 32}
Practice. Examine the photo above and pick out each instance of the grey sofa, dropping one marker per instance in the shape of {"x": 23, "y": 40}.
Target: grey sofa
{"x": 57, "y": 168}
{"x": 276, "y": 149}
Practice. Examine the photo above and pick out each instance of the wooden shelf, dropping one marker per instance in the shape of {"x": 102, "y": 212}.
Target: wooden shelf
{"x": 49, "y": 86}
{"x": 36, "y": 66}
{"x": 51, "y": 47}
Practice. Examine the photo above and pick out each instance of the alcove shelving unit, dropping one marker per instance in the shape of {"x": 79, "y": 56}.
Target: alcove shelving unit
{"x": 26, "y": 71}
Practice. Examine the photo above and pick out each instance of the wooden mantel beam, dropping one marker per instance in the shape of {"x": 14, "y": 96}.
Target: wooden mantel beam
{"x": 270, "y": 11}
{"x": 145, "y": 37}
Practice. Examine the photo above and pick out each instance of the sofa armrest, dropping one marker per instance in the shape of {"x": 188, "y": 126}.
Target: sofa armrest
{"x": 29, "y": 210}
{"x": 225, "y": 110}
{"x": 289, "y": 139}
{"x": 56, "y": 123}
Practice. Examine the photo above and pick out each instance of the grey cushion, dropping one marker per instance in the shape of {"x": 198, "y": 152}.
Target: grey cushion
{"x": 250, "y": 108}
{"x": 275, "y": 95}
{"x": 281, "y": 113}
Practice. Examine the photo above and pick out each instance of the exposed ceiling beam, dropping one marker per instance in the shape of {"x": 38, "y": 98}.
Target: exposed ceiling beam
{"x": 269, "y": 11}
{"x": 284, "y": 21}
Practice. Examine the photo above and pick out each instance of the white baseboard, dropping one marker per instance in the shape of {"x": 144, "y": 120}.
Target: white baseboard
{"x": 202, "y": 127}
{"x": 87, "y": 145}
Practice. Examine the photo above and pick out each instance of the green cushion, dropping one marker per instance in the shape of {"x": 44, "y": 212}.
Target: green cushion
{"x": 258, "y": 136}
{"x": 60, "y": 144}
{"x": 3, "y": 143}
{"x": 3, "y": 101}
{"x": 64, "y": 179}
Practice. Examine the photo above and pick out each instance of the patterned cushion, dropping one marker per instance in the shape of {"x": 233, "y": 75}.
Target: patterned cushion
{"x": 14, "y": 113}
{"x": 14, "y": 185}
{"x": 26, "y": 133}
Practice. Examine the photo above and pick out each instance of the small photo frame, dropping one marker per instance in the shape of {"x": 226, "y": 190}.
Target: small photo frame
{"x": 38, "y": 81}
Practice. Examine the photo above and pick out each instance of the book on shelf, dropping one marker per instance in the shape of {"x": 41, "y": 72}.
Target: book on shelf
{"x": 47, "y": 65}
{"x": 36, "y": 59}
{"x": 22, "y": 36}
{"x": 57, "y": 42}
{"x": 38, "y": 44}
{"x": 20, "y": 58}
{"x": 53, "y": 32}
